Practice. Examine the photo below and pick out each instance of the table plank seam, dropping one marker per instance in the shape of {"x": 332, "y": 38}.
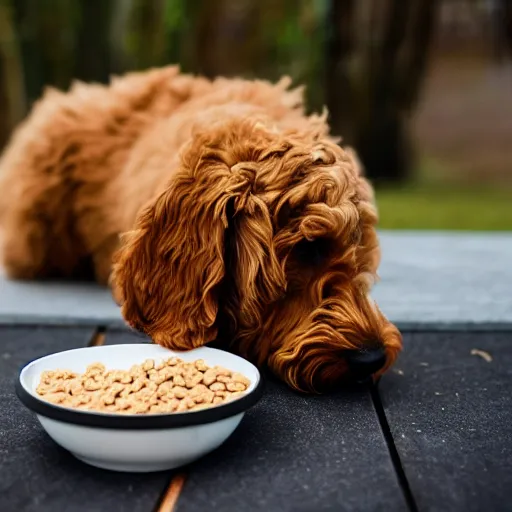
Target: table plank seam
{"x": 98, "y": 337}
{"x": 167, "y": 502}
{"x": 393, "y": 452}
{"x": 172, "y": 493}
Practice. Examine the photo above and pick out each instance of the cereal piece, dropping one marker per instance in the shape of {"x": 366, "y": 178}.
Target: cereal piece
{"x": 233, "y": 396}
{"x": 47, "y": 376}
{"x": 156, "y": 378}
{"x": 122, "y": 403}
{"x": 66, "y": 375}
{"x": 137, "y": 385}
{"x": 76, "y": 388}
{"x": 127, "y": 391}
{"x": 200, "y": 365}
{"x": 201, "y": 394}
{"x": 204, "y": 398}
{"x": 173, "y": 361}
{"x": 223, "y": 378}
{"x": 79, "y": 400}
{"x": 118, "y": 376}
{"x": 166, "y": 373}
{"x": 91, "y": 385}
{"x": 148, "y": 364}
{"x": 136, "y": 372}
{"x": 165, "y": 388}
{"x": 179, "y": 381}
{"x": 185, "y": 405}
{"x": 193, "y": 379}
{"x": 182, "y": 407}
{"x": 116, "y": 388}
{"x": 217, "y": 400}
{"x": 208, "y": 397}
{"x": 140, "y": 407}
{"x": 235, "y": 386}
{"x": 209, "y": 377}
{"x": 218, "y": 386}
{"x": 55, "y": 398}
{"x": 222, "y": 371}
{"x": 144, "y": 396}
{"x": 57, "y": 387}
{"x": 238, "y": 377}
{"x": 222, "y": 394}
{"x": 198, "y": 389}
{"x": 95, "y": 369}
{"x": 113, "y": 391}
{"x": 179, "y": 392}
{"x": 171, "y": 406}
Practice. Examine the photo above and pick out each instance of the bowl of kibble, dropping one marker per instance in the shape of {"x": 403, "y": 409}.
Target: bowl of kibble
{"x": 139, "y": 407}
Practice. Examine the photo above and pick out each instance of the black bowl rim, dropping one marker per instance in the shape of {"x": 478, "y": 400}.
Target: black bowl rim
{"x": 142, "y": 421}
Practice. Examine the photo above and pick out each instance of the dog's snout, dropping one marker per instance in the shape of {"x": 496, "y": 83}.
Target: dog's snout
{"x": 364, "y": 363}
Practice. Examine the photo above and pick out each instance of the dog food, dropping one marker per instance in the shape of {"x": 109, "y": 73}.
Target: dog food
{"x": 172, "y": 385}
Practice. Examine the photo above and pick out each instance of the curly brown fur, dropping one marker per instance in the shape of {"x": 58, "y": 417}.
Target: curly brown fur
{"x": 233, "y": 216}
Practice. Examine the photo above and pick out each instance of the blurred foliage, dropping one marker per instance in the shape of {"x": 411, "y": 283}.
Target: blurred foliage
{"x": 56, "y": 39}
{"x": 445, "y": 207}
{"x": 365, "y": 59}
{"x": 368, "y": 78}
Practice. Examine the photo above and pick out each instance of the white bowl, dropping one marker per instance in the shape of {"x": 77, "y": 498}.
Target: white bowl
{"x": 144, "y": 442}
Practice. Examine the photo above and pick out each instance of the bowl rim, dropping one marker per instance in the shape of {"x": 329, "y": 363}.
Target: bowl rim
{"x": 138, "y": 421}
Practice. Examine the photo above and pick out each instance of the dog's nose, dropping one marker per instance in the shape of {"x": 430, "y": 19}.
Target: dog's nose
{"x": 364, "y": 363}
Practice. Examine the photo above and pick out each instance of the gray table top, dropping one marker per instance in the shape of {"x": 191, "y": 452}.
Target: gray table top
{"x": 428, "y": 280}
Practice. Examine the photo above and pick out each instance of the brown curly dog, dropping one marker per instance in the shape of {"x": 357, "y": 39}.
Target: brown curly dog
{"x": 216, "y": 209}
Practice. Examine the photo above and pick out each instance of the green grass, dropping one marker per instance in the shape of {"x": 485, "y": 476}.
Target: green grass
{"x": 445, "y": 207}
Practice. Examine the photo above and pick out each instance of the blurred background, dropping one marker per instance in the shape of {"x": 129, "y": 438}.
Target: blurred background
{"x": 422, "y": 88}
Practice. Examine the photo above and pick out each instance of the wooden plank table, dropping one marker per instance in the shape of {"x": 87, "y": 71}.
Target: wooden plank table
{"x": 434, "y": 435}
{"x": 449, "y": 407}
{"x": 290, "y": 452}
{"x": 35, "y": 473}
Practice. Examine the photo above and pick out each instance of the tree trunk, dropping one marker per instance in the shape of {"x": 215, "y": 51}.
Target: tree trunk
{"x": 339, "y": 92}
{"x": 371, "y": 103}
{"x": 226, "y": 38}
{"x": 93, "y": 52}
{"x": 119, "y": 58}
{"x": 385, "y": 147}
{"x": 147, "y": 36}
{"x": 506, "y": 12}
{"x": 12, "y": 87}
{"x": 47, "y": 39}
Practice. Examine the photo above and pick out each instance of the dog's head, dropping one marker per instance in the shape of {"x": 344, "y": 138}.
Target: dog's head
{"x": 266, "y": 238}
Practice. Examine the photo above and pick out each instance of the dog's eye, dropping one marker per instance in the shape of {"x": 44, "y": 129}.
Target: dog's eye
{"x": 313, "y": 253}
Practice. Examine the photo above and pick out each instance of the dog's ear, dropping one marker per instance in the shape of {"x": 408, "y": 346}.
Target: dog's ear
{"x": 168, "y": 271}
{"x": 258, "y": 274}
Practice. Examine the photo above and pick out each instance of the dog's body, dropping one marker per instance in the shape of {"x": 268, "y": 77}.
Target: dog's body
{"x": 240, "y": 218}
